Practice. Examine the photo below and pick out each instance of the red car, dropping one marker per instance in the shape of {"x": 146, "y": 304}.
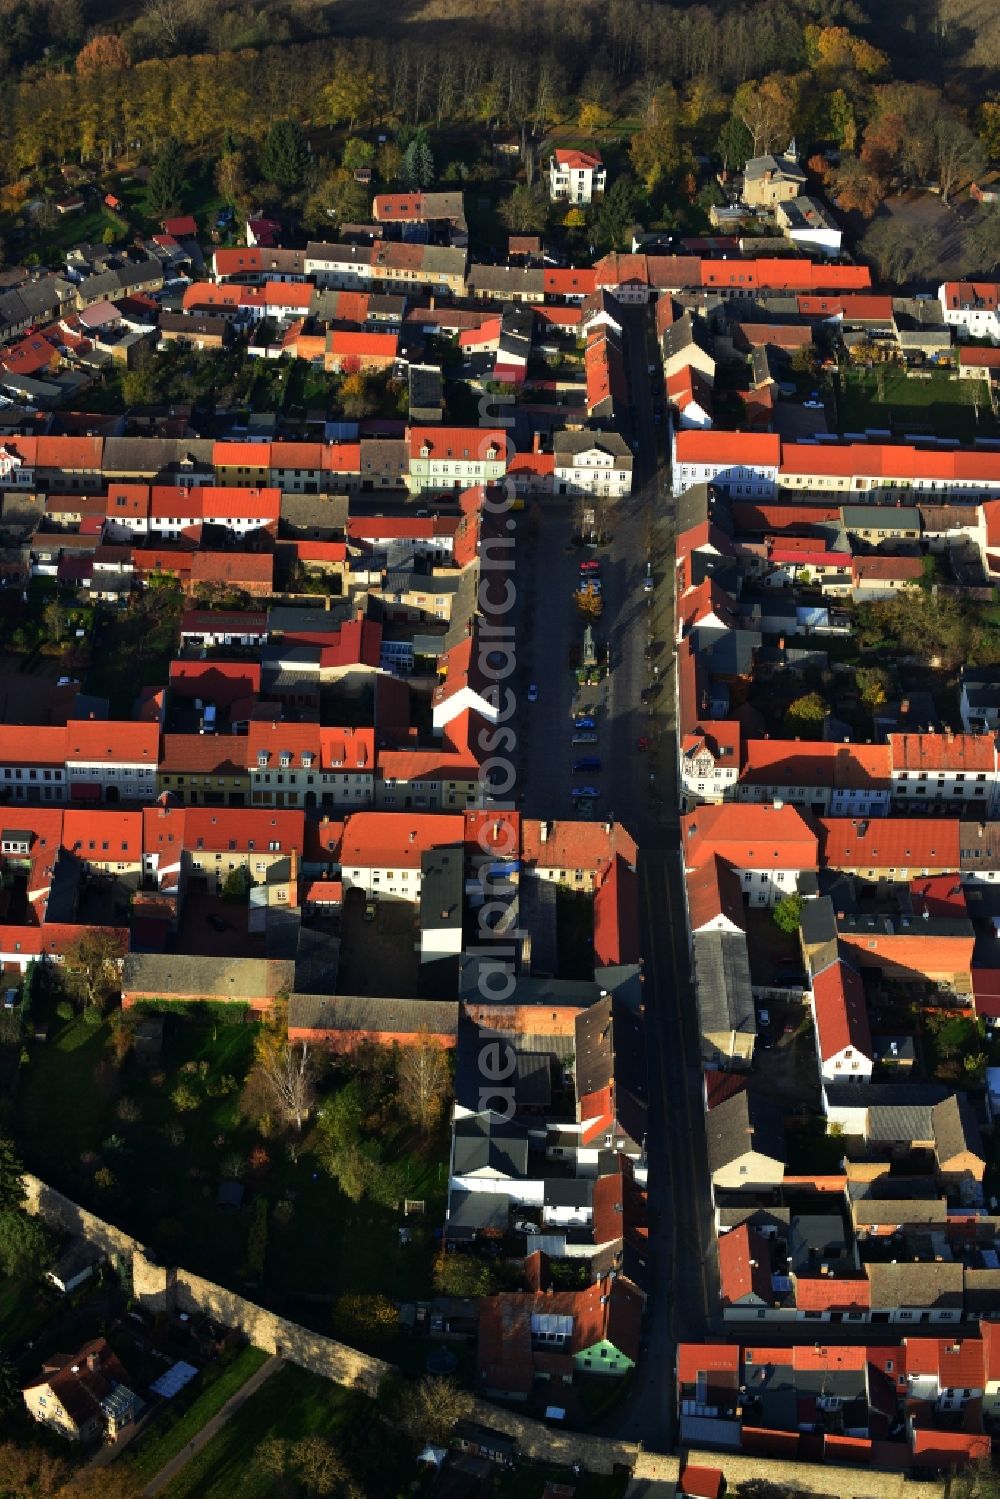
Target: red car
{"x": 591, "y": 566}
{"x": 642, "y": 743}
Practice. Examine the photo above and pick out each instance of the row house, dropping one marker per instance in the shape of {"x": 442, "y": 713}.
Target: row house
{"x": 597, "y": 464}
{"x": 443, "y": 458}
{"x": 253, "y": 264}
{"x": 889, "y": 848}
{"x": 741, "y": 464}
{"x": 945, "y": 768}
{"x": 33, "y": 765}
{"x": 112, "y": 762}
{"x": 382, "y": 852}
{"x": 304, "y": 765}
{"x": 838, "y": 780}
{"x": 431, "y": 536}
{"x": 217, "y": 842}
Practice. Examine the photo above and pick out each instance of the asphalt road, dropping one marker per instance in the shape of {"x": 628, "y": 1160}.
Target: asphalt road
{"x": 639, "y": 789}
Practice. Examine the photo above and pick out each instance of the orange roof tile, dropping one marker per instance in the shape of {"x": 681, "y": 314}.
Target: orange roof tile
{"x": 396, "y": 840}
{"x": 900, "y": 843}
{"x": 942, "y": 752}
{"x": 749, "y": 837}
{"x": 841, "y": 1011}
{"x": 103, "y": 837}
{"x": 94, "y": 742}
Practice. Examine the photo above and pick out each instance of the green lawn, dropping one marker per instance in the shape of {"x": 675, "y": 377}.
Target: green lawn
{"x": 167, "y": 1166}
{"x": 293, "y": 1404}
{"x": 184, "y": 1416}
{"x": 938, "y": 404}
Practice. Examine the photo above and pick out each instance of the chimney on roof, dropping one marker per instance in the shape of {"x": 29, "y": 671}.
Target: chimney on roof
{"x": 904, "y": 706}
{"x": 543, "y": 832}
{"x": 93, "y": 1360}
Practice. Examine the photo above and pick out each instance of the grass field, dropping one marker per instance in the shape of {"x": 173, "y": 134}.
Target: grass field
{"x": 181, "y": 1420}
{"x": 292, "y": 1404}
{"x": 167, "y": 1166}
{"x": 935, "y": 404}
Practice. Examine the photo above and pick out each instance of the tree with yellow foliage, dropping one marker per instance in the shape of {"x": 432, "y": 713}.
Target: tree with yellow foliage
{"x": 594, "y": 116}
{"x": 655, "y": 150}
{"x": 767, "y": 107}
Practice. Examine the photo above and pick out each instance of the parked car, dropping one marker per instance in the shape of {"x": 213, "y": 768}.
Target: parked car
{"x": 589, "y": 762}
{"x": 642, "y": 743}
{"x": 584, "y": 738}
{"x": 589, "y": 793}
{"x": 585, "y": 722}
{"x": 592, "y": 565}
{"x": 647, "y": 582}
{"x": 533, "y": 693}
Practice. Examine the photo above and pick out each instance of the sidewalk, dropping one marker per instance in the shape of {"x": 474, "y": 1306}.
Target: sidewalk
{"x": 166, "y": 1474}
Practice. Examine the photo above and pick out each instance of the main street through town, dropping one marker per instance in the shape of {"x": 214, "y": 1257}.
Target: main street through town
{"x": 638, "y": 788}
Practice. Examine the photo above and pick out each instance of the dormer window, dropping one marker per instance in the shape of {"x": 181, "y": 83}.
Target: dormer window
{"x": 307, "y": 760}
{"x": 263, "y": 756}
{"x": 285, "y": 759}
{"x": 425, "y": 450}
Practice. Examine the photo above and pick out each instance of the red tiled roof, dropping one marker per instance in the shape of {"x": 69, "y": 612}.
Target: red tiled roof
{"x": 701, "y": 1483}
{"x": 888, "y": 569}
{"x": 981, "y": 295}
{"x": 575, "y": 161}
{"x": 95, "y": 742}
{"x": 829, "y": 1293}
{"x": 742, "y": 449}
{"x": 714, "y": 890}
{"x": 346, "y": 343}
{"x": 396, "y": 840}
{"x": 900, "y": 843}
{"x": 105, "y": 836}
{"x": 841, "y": 1011}
{"x": 243, "y": 829}
{"x": 744, "y": 1265}
{"x": 574, "y": 845}
{"x": 232, "y": 567}
{"x": 749, "y": 837}
{"x": 942, "y": 752}
{"x": 568, "y": 283}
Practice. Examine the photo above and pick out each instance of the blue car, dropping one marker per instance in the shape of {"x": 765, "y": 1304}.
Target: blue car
{"x": 585, "y": 793}
{"x": 584, "y": 723}
{"x": 589, "y": 762}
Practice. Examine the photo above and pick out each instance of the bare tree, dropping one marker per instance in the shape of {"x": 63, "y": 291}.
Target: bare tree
{"x": 96, "y": 956}
{"x": 289, "y": 1074}
{"x": 957, "y": 152}
{"x": 423, "y": 1082}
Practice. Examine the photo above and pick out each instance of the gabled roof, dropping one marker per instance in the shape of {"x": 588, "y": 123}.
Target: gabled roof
{"x": 95, "y": 742}
{"x": 841, "y": 1012}
{"x": 901, "y": 843}
{"x": 749, "y": 837}
{"x": 744, "y": 1266}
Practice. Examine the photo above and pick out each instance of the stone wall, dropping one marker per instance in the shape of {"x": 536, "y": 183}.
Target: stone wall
{"x": 159, "y": 1289}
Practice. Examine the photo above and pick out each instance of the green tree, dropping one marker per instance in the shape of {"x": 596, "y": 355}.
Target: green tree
{"x": 357, "y": 153}
{"x": 166, "y": 179}
{"x": 418, "y": 162}
{"x": 10, "y": 1390}
{"x": 734, "y": 144}
{"x": 806, "y": 714}
{"x": 11, "y": 1176}
{"x": 342, "y": 1117}
{"x": 525, "y": 211}
{"x": 285, "y": 158}
{"x": 184, "y": 1098}
{"x": 873, "y": 683}
{"x": 616, "y": 214}
{"x": 788, "y": 913}
{"x": 462, "y": 1275}
{"x": 25, "y": 1247}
